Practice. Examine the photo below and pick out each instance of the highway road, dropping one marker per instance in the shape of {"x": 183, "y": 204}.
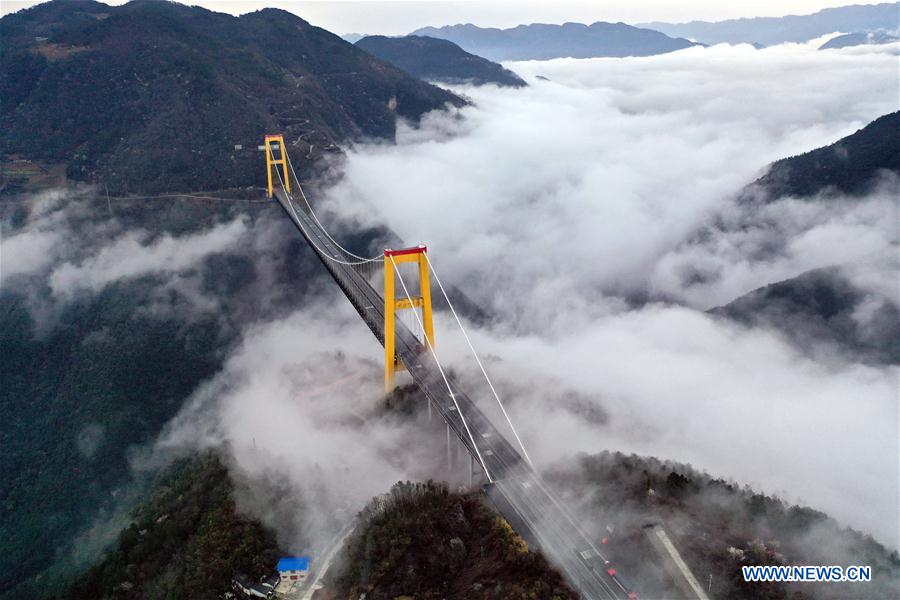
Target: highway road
{"x": 518, "y": 492}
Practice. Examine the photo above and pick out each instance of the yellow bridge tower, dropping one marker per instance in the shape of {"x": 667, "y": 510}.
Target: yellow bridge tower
{"x": 271, "y": 161}
{"x": 392, "y": 258}
{"x": 276, "y": 156}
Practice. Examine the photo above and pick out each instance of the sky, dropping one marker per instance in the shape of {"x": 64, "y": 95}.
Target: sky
{"x": 401, "y": 17}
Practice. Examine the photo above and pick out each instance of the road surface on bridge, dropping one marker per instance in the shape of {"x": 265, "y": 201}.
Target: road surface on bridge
{"x": 518, "y": 492}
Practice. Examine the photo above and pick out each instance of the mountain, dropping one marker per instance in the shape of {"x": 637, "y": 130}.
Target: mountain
{"x": 823, "y": 308}
{"x": 791, "y": 28}
{"x": 92, "y": 375}
{"x": 435, "y": 59}
{"x": 154, "y": 95}
{"x": 422, "y": 541}
{"x": 850, "y": 165}
{"x": 718, "y": 526}
{"x": 859, "y": 39}
{"x": 353, "y": 37}
{"x": 186, "y": 539}
{"x": 543, "y": 42}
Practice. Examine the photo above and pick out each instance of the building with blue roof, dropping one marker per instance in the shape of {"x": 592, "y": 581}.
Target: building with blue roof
{"x": 293, "y": 568}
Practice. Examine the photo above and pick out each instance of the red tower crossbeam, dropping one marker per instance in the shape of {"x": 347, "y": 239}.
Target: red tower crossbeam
{"x": 420, "y": 249}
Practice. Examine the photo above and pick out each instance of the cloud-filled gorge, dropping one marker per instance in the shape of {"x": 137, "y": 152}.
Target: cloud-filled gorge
{"x": 578, "y": 214}
{"x": 571, "y": 211}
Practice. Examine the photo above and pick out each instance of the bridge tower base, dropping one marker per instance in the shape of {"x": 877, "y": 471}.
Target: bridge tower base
{"x": 393, "y": 258}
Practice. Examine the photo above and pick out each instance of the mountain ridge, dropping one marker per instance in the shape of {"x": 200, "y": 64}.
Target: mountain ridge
{"x": 789, "y": 28}
{"x": 849, "y": 40}
{"x": 819, "y": 308}
{"x": 850, "y": 165}
{"x": 540, "y": 41}
{"x": 158, "y": 96}
{"x": 434, "y": 59}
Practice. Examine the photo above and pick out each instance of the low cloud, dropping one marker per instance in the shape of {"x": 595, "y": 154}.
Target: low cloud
{"x": 738, "y": 403}
{"x": 576, "y": 211}
{"x": 759, "y": 245}
{"x": 583, "y": 186}
{"x": 136, "y": 254}
{"x": 65, "y": 240}
{"x": 41, "y": 240}
{"x": 297, "y": 409}
{"x": 65, "y": 244}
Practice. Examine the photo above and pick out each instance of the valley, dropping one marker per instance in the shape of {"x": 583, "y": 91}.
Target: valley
{"x": 676, "y": 255}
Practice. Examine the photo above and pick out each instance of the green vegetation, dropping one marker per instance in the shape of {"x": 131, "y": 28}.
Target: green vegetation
{"x": 20, "y": 176}
{"x": 158, "y": 94}
{"x": 850, "y": 165}
{"x": 422, "y": 541}
{"x": 186, "y": 541}
{"x": 75, "y": 401}
{"x": 90, "y": 380}
{"x": 719, "y": 527}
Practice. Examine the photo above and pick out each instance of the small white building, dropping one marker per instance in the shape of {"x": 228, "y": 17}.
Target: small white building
{"x": 293, "y": 568}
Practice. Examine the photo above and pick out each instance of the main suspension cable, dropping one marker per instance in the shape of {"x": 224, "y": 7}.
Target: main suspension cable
{"x": 299, "y": 223}
{"x": 362, "y": 261}
{"x": 444, "y": 375}
{"x": 312, "y": 213}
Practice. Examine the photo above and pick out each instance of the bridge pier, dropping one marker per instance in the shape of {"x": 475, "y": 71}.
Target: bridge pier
{"x": 449, "y": 457}
{"x": 456, "y": 460}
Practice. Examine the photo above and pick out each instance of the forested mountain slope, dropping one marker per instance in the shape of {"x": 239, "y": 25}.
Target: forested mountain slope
{"x": 186, "y": 540}
{"x": 103, "y": 346}
{"x": 155, "y": 96}
{"x": 422, "y": 541}
{"x": 823, "y": 308}
{"x": 434, "y": 59}
{"x": 850, "y": 165}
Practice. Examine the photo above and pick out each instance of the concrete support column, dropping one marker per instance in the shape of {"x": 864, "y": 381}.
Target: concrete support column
{"x": 449, "y": 457}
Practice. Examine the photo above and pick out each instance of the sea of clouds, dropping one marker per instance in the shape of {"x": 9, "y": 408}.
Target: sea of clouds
{"x": 570, "y": 212}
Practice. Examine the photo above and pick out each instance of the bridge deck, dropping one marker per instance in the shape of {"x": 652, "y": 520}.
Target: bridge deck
{"x": 517, "y": 490}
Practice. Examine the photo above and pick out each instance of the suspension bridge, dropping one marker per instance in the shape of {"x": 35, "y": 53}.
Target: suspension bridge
{"x": 512, "y": 483}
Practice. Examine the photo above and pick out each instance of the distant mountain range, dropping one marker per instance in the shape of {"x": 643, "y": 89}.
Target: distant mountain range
{"x": 792, "y": 28}
{"x": 434, "y": 59}
{"x": 158, "y": 96}
{"x": 859, "y": 39}
{"x": 543, "y": 42}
